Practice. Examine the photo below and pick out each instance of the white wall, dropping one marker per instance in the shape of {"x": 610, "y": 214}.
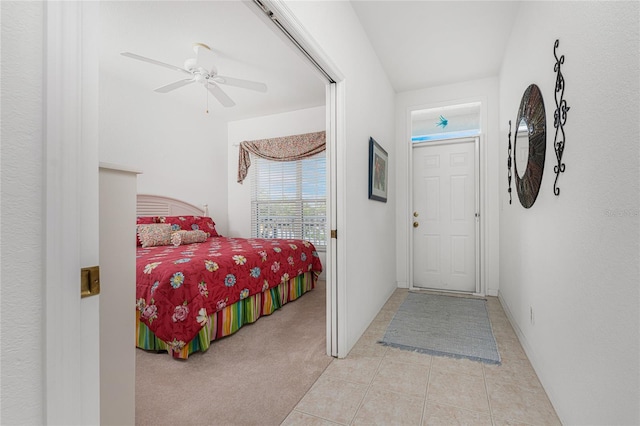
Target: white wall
{"x": 574, "y": 258}
{"x": 367, "y": 234}
{"x": 485, "y": 91}
{"x": 269, "y": 126}
{"x": 181, "y": 154}
{"x": 22, "y": 201}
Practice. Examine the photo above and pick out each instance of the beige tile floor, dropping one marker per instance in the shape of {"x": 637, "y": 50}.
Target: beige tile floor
{"x": 375, "y": 384}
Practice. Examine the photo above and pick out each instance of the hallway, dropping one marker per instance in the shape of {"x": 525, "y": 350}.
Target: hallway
{"x": 386, "y": 386}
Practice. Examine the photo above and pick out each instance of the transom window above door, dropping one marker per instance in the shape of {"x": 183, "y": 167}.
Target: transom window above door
{"x": 446, "y": 122}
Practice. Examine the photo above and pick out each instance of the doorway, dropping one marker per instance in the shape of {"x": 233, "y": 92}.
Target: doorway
{"x": 445, "y": 222}
{"x": 445, "y": 215}
{"x": 66, "y": 25}
{"x": 276, "y": 15}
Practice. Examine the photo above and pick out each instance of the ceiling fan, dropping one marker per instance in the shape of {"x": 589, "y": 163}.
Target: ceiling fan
{"x": 201, "y": 70}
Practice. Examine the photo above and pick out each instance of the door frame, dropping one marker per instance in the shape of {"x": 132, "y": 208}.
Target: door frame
{"x": 476, "y": 192}
{"x": 480, "y": 187}
{"x": 71, "y": 395}
{"x": 65, "y": 400}
{"x": 282, "y": 21}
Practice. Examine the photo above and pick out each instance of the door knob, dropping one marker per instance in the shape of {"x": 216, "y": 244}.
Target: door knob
{"x": 416, "y": 224}
{"x": 415, "y": 214}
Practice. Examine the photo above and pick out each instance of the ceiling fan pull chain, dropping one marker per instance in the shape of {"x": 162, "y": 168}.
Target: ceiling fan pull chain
{"x": 207, "y": 100}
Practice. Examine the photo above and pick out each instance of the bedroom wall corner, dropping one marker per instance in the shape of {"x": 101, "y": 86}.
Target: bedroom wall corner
{"x": 180, "y": 154}
{"x": 179, "y": 148}
{"x": 569, "y": 267}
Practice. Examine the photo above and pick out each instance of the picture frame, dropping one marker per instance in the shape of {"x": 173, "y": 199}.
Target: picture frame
{"x": 378, "y": 172}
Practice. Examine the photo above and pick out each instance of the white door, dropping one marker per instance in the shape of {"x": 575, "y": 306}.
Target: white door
{"x": 444, "y": 215}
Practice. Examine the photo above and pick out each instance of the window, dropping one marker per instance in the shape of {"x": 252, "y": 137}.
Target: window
{"x": 288, "y": 199}
{"x": 448, "y": 122}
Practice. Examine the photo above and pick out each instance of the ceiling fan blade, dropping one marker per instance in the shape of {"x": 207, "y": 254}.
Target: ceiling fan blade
{"x": 153, "y": 61}
{"x": 174, "y": 86}
{"x": 245, "y": 84}
{"x": 220, "y": 95}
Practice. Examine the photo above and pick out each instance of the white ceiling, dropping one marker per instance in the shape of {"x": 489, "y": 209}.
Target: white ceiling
{"x": 420, "y": 44}
{"x": 431, "y": 43}
{"x": 243, "y": 45}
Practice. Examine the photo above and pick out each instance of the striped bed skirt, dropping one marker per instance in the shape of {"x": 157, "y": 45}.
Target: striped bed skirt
{"x": 231, "y": 318}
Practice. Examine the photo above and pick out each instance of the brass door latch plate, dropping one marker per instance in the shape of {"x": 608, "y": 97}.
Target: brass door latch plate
{"x": 90, "y": 281}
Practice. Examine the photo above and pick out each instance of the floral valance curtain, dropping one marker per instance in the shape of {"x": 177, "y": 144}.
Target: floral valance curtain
{"x": 288, "y": 148}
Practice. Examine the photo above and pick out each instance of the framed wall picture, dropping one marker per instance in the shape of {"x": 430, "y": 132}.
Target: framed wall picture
{"x": 378, "y": 172}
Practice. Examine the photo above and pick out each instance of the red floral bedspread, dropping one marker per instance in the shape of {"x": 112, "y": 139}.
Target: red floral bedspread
{"x": 179, "y": 287}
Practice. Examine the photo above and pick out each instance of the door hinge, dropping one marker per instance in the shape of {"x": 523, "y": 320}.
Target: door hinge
{"x": 334, "y": 233}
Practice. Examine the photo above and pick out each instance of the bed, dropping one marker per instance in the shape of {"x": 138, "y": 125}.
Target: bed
{"x": 192, "y": 289}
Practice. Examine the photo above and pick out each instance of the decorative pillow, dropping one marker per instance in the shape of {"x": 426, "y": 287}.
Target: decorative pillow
{"x": 207, "y": 225}
{"x": 188, "y": 237}
{"x": 154, "y": 234}
{"x": 190, "y": 223}
{"x": 140, "y": 220}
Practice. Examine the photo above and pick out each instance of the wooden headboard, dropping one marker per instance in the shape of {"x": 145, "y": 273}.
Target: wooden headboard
{"x": 157, "y": 205}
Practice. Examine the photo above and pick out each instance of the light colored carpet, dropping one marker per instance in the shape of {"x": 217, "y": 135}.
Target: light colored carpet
{"x": 452, "y": 326}
{"x": 253, "y": 377}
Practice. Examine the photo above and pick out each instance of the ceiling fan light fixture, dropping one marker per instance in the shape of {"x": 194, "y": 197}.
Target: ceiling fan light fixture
{"x": 190, "y": 63}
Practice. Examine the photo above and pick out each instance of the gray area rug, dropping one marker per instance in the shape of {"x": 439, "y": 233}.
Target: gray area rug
{"x": 451, "y": 326}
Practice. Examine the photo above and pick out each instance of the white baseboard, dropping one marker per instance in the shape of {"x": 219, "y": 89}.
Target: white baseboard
{"x": 531, "y": 355}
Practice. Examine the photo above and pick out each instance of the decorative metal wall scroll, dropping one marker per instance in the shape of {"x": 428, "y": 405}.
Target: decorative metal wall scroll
{"x": 509, "y": 162}
{"x": 531, "y": 128}
{"x": 559, "y": 118}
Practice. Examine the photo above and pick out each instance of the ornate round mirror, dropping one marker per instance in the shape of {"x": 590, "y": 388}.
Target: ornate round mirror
{"x": 530, "y": 144}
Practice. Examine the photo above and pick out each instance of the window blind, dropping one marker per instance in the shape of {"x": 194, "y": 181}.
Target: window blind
{"x": 288, "y": 199}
